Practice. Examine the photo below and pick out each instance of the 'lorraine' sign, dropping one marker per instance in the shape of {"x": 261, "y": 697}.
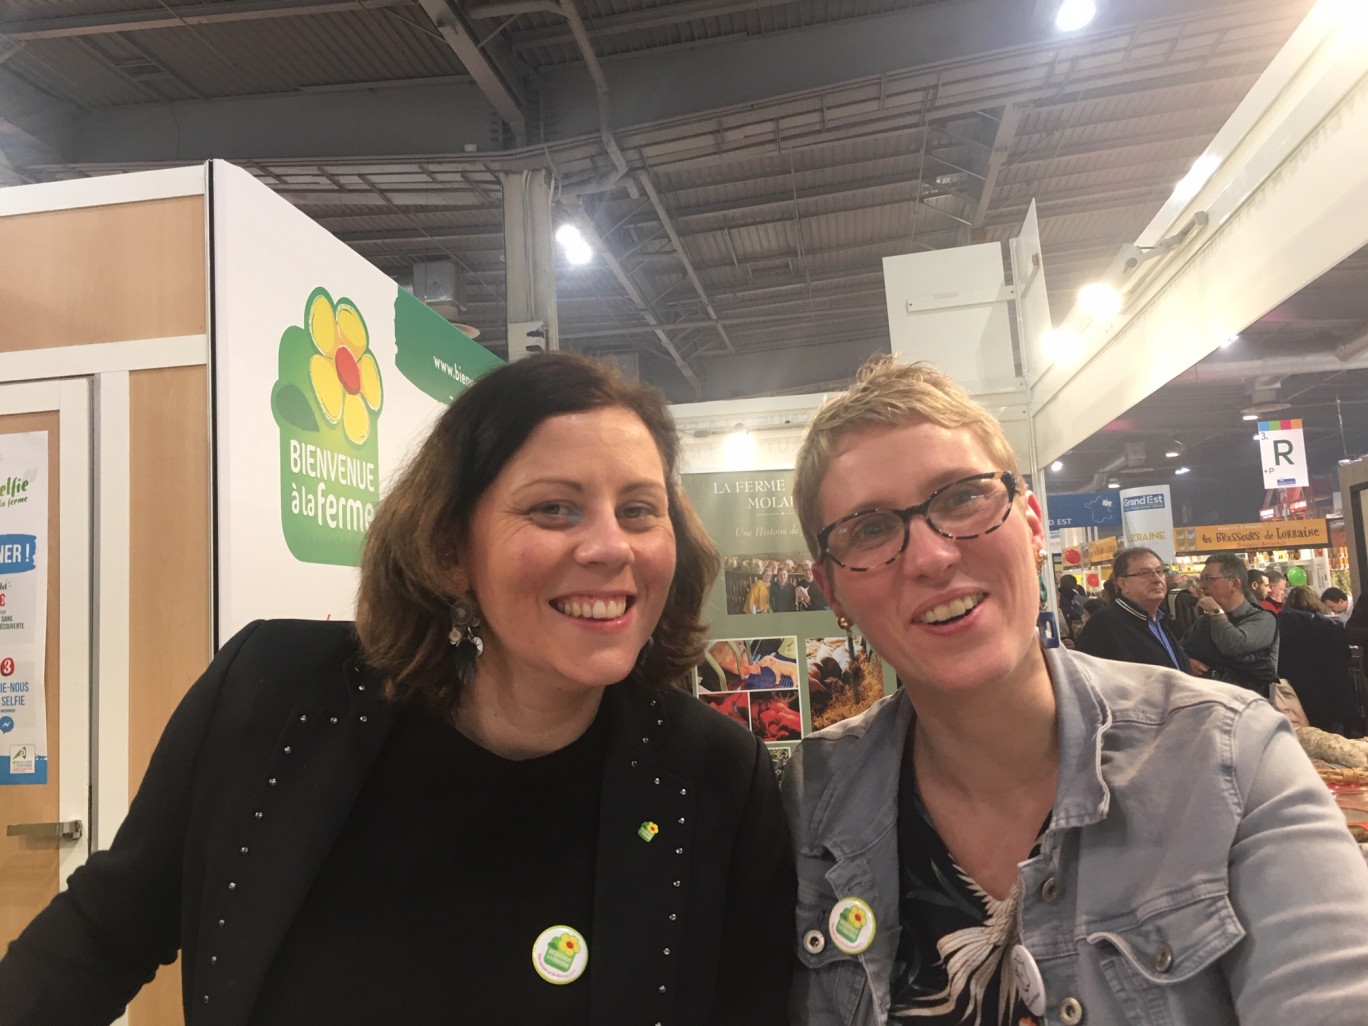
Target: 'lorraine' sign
{"x": 1281, "y": 534}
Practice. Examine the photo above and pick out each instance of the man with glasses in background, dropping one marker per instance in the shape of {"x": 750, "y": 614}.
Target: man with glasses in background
{"x": 1234, "y": 640}
{"x": 1134, "y": 628}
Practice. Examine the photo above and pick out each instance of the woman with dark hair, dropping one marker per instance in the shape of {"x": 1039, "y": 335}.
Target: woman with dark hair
{"x": 483, "y": 803}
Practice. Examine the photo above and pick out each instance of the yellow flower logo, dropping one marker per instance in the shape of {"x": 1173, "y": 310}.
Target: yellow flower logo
{"x": 857, "y": 917}
{"x": 568, "y": 944}
{"x": 345, "y": 376}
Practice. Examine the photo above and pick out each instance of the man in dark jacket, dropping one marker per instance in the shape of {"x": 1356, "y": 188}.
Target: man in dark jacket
{"x": 1313, "y": 654}
{"x": 1234, "y": 640}
{"x": 1134, "y": 628}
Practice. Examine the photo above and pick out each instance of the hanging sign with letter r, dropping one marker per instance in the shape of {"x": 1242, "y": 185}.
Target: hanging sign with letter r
{"x": 1283, "y": 453}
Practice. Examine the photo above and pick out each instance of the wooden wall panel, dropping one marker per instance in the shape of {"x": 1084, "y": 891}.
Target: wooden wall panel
{"x": 169, "y": 583}
{"x": 102, "y": 274}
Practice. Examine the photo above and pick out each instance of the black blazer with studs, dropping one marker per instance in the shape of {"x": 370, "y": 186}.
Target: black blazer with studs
{"x": 255, "y": 776}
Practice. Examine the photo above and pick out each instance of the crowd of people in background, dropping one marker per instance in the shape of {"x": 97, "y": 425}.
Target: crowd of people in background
{"x": 1239, "y": 624}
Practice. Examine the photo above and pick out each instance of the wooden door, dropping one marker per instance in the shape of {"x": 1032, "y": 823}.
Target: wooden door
{"x": 34, "y": 864}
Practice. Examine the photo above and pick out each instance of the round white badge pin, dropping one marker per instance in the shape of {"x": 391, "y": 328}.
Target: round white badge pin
{"x": 851, "y": 926}
{"x": 560, "y": 954}
{"x": 1029, "y": 982}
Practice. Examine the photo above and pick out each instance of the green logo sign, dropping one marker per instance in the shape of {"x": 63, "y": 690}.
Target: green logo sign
{"x": 327, "y": 401}
{"x": 439, "y": 359}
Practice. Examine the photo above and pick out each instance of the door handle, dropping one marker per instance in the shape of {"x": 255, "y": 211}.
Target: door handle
{"x": 65, "y": 830}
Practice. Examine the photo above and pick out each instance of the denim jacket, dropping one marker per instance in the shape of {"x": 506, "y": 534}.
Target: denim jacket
{"x": 1195, "y": 870}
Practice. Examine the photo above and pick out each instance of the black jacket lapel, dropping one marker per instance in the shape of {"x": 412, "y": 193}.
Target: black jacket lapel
{"x": 256, "y": 883}
{"x": 641, "y": 886}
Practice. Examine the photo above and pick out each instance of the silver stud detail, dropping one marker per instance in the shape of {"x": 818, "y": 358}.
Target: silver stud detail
{"x": 213, "y": 959}
{"x": 332, "y": 720}
{"x": 662, "y": 988}
{"x": 360, "y": 687}
{"x": 673, "y": 917}
{"x": 644, "y": 740}
{"x": 206, "y": 999}
{"x": 654, "y": 702}
{"x": 634, "y": 764}
{"x": 232, "y": 886}
{"x": 667, "y": 951}
{"x": 681, "y": 820}
{"x": 657, "y": 780}
{"x": 257, "y": 814}
{"x": 678, "y": 882}
{"x": 272, "y": 782}
{"x": 683, "y": 790}
{"x": 242, "y": 850}
{"x": 288, "y": 749}
{"x": 660, "y": 723}
{"x": 1163, "y": 959}
{"x": 679, "y": 851}
{"x": 363, "y": 719}
{"x": 303, "y": 718}
{"x": 220, "y": 924}
{"x": 814, "y": 941}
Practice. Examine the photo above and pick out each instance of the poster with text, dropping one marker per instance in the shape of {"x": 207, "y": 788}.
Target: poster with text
{"x": 327, "y": 374}
{"x": 23, "y": 607}
{"x": 776, "y": 662}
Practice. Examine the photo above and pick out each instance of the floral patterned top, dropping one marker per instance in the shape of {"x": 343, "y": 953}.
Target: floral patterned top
{"x": 954, "y": 960}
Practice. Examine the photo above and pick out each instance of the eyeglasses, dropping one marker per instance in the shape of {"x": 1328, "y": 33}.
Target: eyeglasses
{"x": 963, "y": 509}
{"x": 1153, "y": 575}
{"x": 1207, "y": 578}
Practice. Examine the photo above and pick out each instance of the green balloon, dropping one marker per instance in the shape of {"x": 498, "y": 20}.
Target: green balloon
{"x": 1296, "y": 576}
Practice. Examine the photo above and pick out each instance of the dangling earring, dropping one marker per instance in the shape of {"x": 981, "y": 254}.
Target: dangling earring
{"x": 846, "y": 624}
{"x": 464, "y": 620}
{"x": 1041, "y": 557}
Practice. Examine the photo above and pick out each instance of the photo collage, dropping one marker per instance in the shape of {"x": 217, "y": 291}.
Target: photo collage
{"x": 777, "y": 662}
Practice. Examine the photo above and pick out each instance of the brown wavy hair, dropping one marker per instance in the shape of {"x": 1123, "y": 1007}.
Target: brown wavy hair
{"x": 407, "y": 579}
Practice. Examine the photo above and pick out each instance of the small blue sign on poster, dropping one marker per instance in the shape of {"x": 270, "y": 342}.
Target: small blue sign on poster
{"x": 1084, "y": 509}
{"x": 17, "y": 553}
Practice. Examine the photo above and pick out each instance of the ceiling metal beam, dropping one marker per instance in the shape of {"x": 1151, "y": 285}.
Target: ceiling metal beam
{"x": 500, "y": 87}
{"x": 997, "y": 157}
{"x": 605, "y": 253}
{"x": 179, "y": 17}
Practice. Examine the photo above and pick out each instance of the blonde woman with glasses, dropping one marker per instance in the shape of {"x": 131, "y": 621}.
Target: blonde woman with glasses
{"x": 1024, "y": 835}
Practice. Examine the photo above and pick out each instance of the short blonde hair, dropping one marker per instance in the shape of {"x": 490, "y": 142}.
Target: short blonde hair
{"x": 887, "y": 394}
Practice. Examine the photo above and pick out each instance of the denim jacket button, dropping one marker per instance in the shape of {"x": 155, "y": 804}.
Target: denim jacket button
{"x": 814, "y": 941}
{"x": 1070, "y": 1012}
{"x": 1050, "y": 890}
{"x": 1163, "y": 959}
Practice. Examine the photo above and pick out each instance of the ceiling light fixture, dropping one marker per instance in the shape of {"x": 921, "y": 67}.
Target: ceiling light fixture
{"x": 1074, "y": 15}
{"x": 1191, "y": 183}
{"x": 1230, "y": 341}
{"x": 1099, "y": 301}
{"x": 1173, "y": 454}
{"x": 1057, "y": 466}
{"x": 1113, "y": 484}
{"x": 738, "y": 449}
{"x": 1183, "y": 470}
{"x": 1249, "y": 416}
{"x": 1352, "y": 16}
{"x": 575, "y": 246}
